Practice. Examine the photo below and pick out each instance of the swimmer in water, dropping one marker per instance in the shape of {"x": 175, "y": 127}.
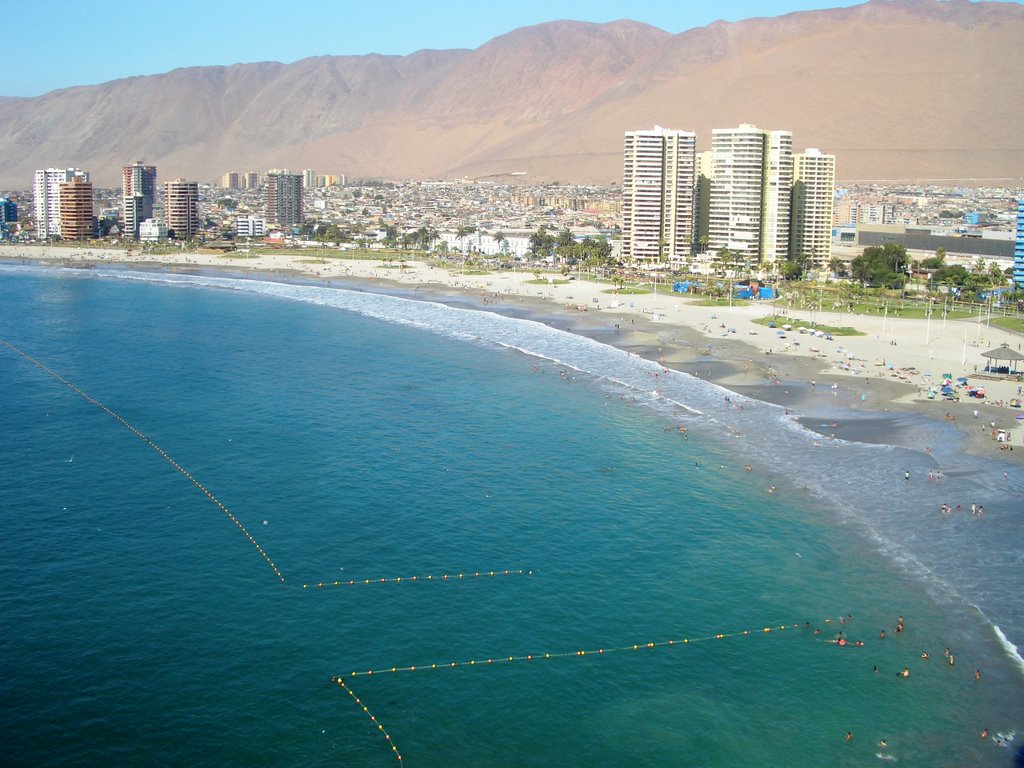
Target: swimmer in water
{"x": 849, "y": 736}
{"x": 924, "y": 655}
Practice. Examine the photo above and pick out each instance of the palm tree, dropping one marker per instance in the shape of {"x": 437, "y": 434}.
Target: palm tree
{"x": 461, "y": 233}
{"x": 723, "y": 258}
{"x": 501, "y": 240}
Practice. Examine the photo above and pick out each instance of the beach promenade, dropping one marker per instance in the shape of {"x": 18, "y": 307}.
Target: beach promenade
{"x": 910, "y": 352}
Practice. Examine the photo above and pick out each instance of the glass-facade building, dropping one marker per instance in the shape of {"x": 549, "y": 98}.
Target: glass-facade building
{"x": 1018, "y": 251}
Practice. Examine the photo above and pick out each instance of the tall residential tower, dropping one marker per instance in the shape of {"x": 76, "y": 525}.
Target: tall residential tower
{"x": 749, "y": 206}
{"x": 284, "y": 199}
{"x": 138, "y": 193}
{"x": 181, "y": 208}
{"x": 814, "y": 186}
{"x": 658, "y": 195}
{"x": 76, "y": 221}
{"x": 46, "y": 192}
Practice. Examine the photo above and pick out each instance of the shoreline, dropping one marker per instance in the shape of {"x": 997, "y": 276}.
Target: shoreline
{"x": 719, "y": 344}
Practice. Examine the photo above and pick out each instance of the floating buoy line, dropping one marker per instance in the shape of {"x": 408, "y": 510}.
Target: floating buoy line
{"x": 231, "y": 516}
{"x": 570, "y": 654}
{"x": 412, "y": 579}
{"x": 341, "y": 681}
{"x": 131, "y": 428}
{"x": 497, "y": 660}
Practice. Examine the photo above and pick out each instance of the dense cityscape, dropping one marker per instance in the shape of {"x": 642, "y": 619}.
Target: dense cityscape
{"x": 747, "y": 207}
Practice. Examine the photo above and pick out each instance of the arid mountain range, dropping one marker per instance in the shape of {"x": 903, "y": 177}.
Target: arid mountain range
{"x": 897, "y": 89}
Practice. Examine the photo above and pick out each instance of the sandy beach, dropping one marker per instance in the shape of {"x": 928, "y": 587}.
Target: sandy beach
{"x": 894, "y": 365}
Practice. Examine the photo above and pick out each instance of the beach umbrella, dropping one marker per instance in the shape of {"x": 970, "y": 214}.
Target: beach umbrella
{"x": 1020, "y": 416}
{"x": 946, "y": 390}
{"x": 962, "y": 380}
{"x": 1015, "y": 403}
{"x": 946, "y": 382}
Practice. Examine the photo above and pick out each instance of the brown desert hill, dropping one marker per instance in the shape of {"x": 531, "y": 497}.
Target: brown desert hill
{"x": 897, "y": 89}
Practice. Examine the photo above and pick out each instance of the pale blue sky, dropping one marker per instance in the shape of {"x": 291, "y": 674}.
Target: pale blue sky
{"x": 92, "y": 42}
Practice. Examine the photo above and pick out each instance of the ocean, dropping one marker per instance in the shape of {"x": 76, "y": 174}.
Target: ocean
{"x": 346, "y": 436}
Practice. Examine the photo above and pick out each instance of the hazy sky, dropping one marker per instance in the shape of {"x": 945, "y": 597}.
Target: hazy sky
{"x": 52, "y": 44}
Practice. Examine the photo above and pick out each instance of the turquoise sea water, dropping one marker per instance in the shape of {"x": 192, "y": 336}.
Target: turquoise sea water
{"x": 359, "y": 436}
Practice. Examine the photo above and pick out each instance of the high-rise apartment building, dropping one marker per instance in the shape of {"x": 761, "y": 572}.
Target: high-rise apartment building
{"x": 76, "y": 221}
{"x": 309, "y": 179}
{"x": 230, "y": 180}
{"x": 778, "y": 192}
{"x": 814, "y": 186}
{"x": 749, "y": 206}
{"x": 181, "y": 208}
{"x": 705, "y": 169}
{"x": 1018, "y": 251}
{"x": 284, "y": 198}
{"x": 8, "y": 211}
{"x": 46, "y": 198}
{"x": 658, "y": 195}
{"x": 138, "y": 193}
{"x": 250, "y": 180}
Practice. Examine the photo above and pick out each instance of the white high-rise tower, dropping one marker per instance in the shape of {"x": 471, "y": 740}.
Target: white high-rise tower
{"x": 46, "y": 194}
{"x": 750, "y": 193}
{"x": 814, "y": 185}
{"x": 657, "y": 195}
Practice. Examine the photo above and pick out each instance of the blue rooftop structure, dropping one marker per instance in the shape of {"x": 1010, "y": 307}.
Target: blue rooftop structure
{"x": 1018, "y": 251}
